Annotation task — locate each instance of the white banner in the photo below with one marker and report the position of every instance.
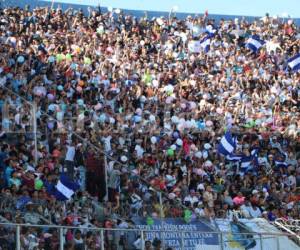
(194, 46)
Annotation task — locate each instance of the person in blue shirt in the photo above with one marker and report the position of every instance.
(8, 172)
(14, 180)
(272, 216)
(3, 155)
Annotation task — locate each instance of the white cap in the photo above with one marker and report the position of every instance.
(138, 111)
(155, 83)
(204, 154)
(143, 98)
(175, 119)
(208, 163)
(171, 196)
(123, 158)
(207, 146)
(200, 187)
(198, 154)
(152, 118)
(153, 140)
(112, 120)
(179, 142)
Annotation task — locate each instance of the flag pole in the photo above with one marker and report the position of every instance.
(161, 213)
(106, 178)
(35, 134)
(52, 4)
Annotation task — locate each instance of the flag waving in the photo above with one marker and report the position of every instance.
(64, 188)
(205, 44)
(211, 30)
(254, 43)
(227, 144)
(294, 62)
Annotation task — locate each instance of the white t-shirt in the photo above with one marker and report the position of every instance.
(291, 180)
(254, 213)
(200, 212)
(245, 211)
(107, 144)
(191, 199)
(70, 153)
(272, 46)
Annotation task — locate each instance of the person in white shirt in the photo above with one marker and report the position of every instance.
(70, 153)
(199, 211)
(69, 160)
(272, 45)
(292, 180)
(254, 211)
(245, 209)
(107, 143)
(191, 199)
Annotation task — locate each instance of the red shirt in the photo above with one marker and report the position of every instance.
(158, 183)
(29, 183)
(91, 162)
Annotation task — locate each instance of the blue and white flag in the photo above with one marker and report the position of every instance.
(246, 162)
(234, 157)
(227, 144)
(254, 43)
(210, 30)
(281, 164)
(205, 44)
(66, 187)
(63, 189)
(294, 62)
(254, 154)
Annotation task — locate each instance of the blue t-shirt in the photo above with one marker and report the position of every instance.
(8, 172)
(14, 181)
(3, 156)
(271, 216)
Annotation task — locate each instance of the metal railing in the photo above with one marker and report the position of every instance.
(290, 226)
(133, 239)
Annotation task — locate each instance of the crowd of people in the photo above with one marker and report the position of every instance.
(127, 100)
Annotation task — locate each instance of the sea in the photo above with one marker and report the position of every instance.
(137, 13)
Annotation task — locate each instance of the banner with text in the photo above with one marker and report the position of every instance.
(176, 233)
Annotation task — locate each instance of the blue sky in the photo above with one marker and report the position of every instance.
(234, 7)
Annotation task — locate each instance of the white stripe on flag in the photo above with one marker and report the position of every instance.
(67, 192)
(245, 164)
(295, 62)
(256, 43)
(205, 43)
(229, 148)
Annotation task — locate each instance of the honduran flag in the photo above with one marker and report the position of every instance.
(281, 164)
(234, 157)
(254, 43)
(227, 144)
(294, 62)
(246, 162)
(210, 30)
(205, 44)
(64, 188)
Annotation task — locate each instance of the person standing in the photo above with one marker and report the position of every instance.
(69, 160)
